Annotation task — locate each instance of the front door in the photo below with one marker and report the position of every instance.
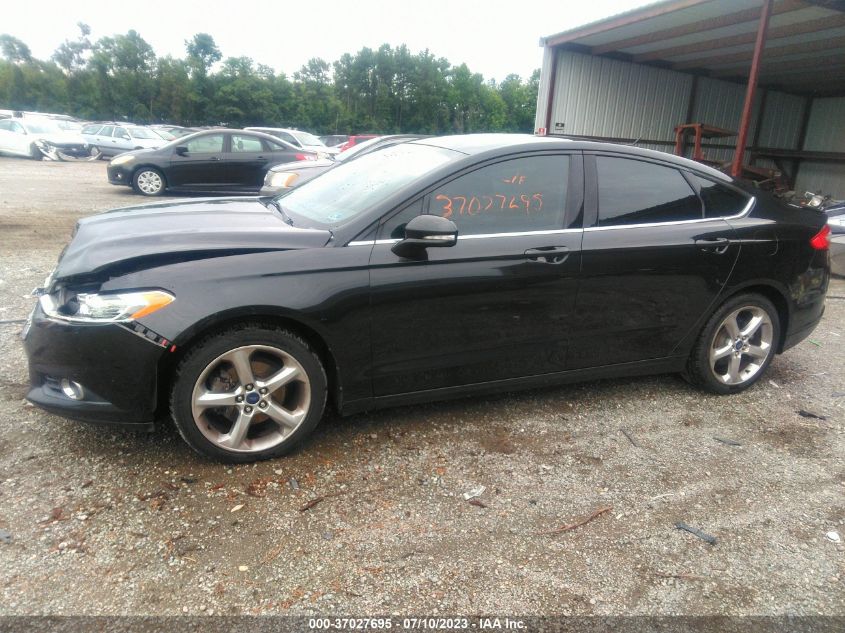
(497, 304)
(201, 166)
(653, 262)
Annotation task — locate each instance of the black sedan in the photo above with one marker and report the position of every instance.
(436, 268)
(213, 161)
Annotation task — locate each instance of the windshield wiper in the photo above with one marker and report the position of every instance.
(285, 217)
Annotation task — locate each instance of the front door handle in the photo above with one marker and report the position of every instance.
(718, 245)
(547, 254)
(214, 158)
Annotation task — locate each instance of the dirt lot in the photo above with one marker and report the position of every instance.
(105, 522)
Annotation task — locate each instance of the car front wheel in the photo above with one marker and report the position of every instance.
(736, 345)
(148, 182)
(248, 394)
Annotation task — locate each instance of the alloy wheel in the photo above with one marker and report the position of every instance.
(741, 345)
(251, 398)
(149, 182)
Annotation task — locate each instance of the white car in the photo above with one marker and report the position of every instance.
(111, 139)
(39, 138)
(298, 138)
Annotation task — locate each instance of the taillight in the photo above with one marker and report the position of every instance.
(821, 240)
(305, 157)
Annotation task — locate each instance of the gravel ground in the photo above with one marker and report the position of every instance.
(94, 521)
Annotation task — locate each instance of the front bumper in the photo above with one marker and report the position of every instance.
(119, 175)
(116, 367)
(74, 150)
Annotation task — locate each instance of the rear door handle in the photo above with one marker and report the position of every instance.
(214, 158)
(262, 159)
(718, 245)
(547, 254)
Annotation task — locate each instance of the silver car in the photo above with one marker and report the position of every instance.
(112, 139)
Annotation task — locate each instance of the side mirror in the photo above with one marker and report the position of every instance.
(181, 150)
(426, 231)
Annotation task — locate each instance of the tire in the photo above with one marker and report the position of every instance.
(736, 346)
(148, 181)
(35, 153)
(219, 403)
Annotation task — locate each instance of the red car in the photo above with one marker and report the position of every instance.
(354, 140)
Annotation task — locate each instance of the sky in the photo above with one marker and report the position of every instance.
(493, 37)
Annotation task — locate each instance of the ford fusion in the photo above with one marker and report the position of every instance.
(436, 268)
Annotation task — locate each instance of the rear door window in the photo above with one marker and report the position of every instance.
(242, 143)
(638, 192)
(107, 130)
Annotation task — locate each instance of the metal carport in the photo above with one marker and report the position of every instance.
(773, 71)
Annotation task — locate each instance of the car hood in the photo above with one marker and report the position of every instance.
(145, 236)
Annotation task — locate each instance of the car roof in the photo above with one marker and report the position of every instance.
(474, 144)
(251, 132)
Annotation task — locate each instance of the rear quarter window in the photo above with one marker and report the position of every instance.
(719, 200)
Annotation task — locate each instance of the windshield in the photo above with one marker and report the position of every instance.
(308, 139)
(357, 149)
(41, 127)
(343, 193)
(140, 132)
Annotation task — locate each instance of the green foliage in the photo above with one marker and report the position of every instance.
(388, 90)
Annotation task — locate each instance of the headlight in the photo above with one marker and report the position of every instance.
(281, 178)
(101, 308)
(122, 160)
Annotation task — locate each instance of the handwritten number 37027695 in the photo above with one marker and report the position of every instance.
(473, 205)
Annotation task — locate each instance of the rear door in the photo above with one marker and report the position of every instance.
(121, 140)
(497, 305)
(246, 161)
(201, 167)
(13, 138)
(653, 262)
(103, 140)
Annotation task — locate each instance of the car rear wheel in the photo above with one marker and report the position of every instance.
(248, 394)
(148, 182)
(736, 345)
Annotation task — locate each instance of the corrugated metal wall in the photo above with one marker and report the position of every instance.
(597, 96)
(825, 133)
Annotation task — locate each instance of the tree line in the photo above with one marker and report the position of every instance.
(388, 90)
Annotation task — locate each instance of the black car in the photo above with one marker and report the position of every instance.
(436, 268)
(212, 161)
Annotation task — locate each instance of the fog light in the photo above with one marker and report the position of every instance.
(72, 389)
